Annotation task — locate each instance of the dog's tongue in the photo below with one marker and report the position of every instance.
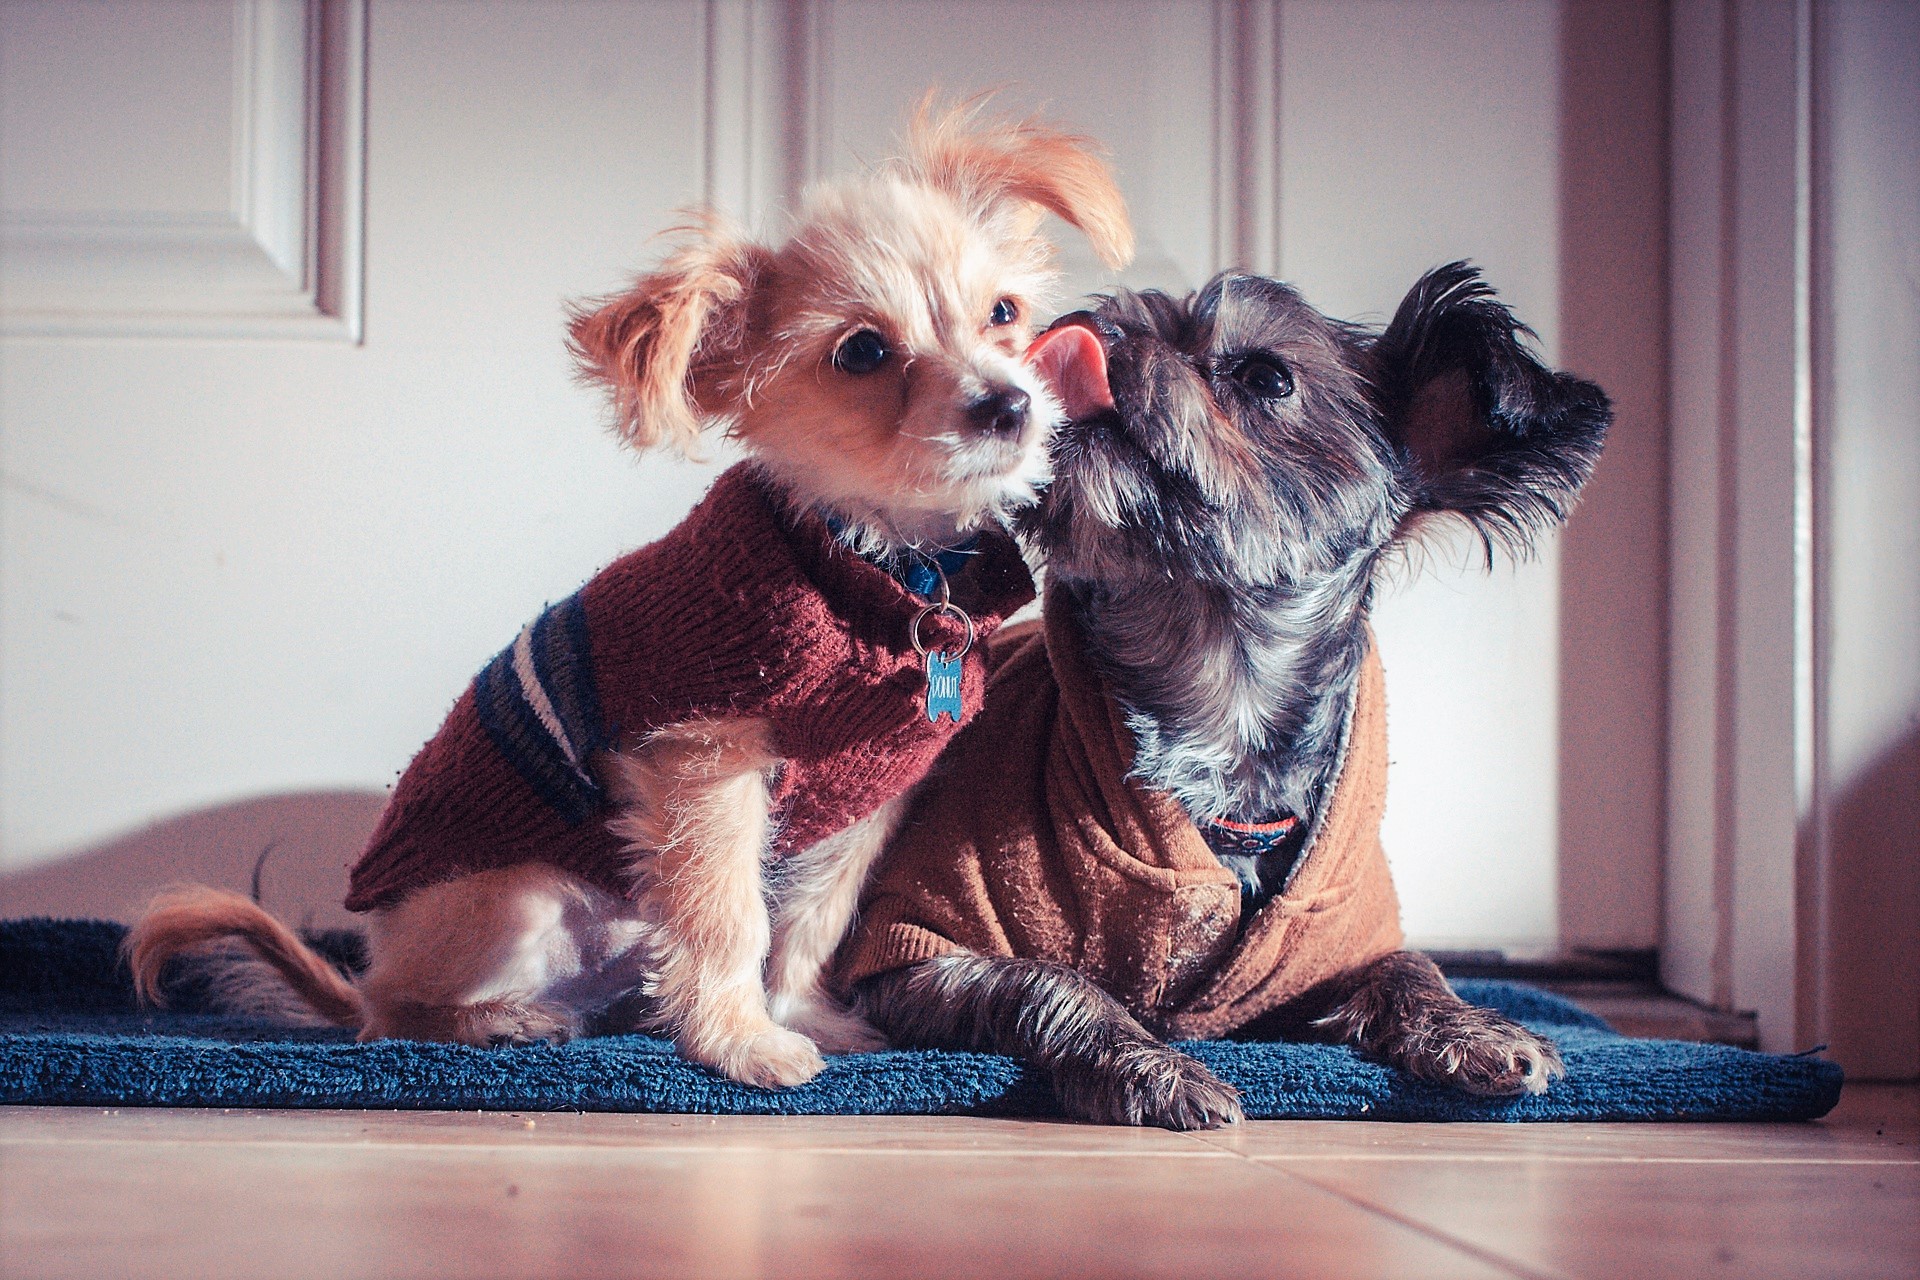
(1074, 364)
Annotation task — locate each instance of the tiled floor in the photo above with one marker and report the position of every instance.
(339, 1194)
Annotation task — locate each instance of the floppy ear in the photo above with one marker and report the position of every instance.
(1484, 431)
(657, 346)
(990, 164)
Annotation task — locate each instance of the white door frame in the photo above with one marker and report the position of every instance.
(1751, 868)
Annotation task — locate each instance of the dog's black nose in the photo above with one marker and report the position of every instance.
(1002, 411)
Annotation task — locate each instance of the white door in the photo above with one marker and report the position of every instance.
(291, 445)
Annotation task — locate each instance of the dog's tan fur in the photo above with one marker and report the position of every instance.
(693, 811)
(816, 905)
(192, 916)
(737, 335)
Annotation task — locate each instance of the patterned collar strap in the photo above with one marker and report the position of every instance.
(1225, 836)
(1261, 855)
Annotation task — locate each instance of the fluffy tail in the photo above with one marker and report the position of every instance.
(192, 916)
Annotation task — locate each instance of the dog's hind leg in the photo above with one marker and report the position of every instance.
(484, 1024)
(694, 815)
(1400, 1010)
(496, 957)
(1104, 1065)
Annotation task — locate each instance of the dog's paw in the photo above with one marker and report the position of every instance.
(1477, 1051)
(771, 1058)
(1500, 1060)
(1148, 1084)
(1401, 1011)
(492, 1024)
(532, 1024)
(832, 1028)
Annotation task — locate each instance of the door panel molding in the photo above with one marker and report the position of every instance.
(284, 258)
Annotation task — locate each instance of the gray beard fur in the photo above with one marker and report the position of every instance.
(1237, 697)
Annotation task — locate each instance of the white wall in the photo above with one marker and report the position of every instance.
(237, 569)
(1388, 168)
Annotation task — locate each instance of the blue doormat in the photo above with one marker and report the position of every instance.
(70, 1033)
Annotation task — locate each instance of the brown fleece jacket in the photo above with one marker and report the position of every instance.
(1029, 840)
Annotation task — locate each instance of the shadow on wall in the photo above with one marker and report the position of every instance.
(1873, 899)
(315, 836)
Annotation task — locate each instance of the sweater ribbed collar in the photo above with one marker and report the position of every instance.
(988, 580)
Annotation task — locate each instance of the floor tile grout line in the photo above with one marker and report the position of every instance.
(678, 1147)
(1511, 1266)
(1436, 1234)
(1542, 1157)
(683, 1146)
(1183, 1145)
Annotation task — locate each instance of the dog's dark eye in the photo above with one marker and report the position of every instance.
(1005, 311)
(1264, 377)
(862, 352)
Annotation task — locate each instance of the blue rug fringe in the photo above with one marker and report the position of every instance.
(71, 1033)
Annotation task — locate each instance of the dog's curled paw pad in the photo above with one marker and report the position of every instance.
(1151, 1085)
(775, 1058)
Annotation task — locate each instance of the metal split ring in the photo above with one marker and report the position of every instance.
(941, 606)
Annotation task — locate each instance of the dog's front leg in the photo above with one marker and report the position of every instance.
(693, 810)
(813, 905)
(1400, 1010)
(1104, 1065)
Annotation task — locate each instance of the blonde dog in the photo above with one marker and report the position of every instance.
(656, 808)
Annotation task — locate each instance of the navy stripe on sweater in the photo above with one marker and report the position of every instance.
(540, 709)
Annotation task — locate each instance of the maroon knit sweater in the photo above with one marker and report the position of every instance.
(744, 609)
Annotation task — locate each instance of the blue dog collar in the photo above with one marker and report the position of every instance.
(916, 570)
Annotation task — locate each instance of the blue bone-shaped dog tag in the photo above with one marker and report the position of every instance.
(943, 686)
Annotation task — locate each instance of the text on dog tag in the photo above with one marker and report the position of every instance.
(943, 686)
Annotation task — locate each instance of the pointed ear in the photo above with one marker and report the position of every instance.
(991, 164)
(1485, 432)
(657, 346)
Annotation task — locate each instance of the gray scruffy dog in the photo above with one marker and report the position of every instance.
(1218, 533)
